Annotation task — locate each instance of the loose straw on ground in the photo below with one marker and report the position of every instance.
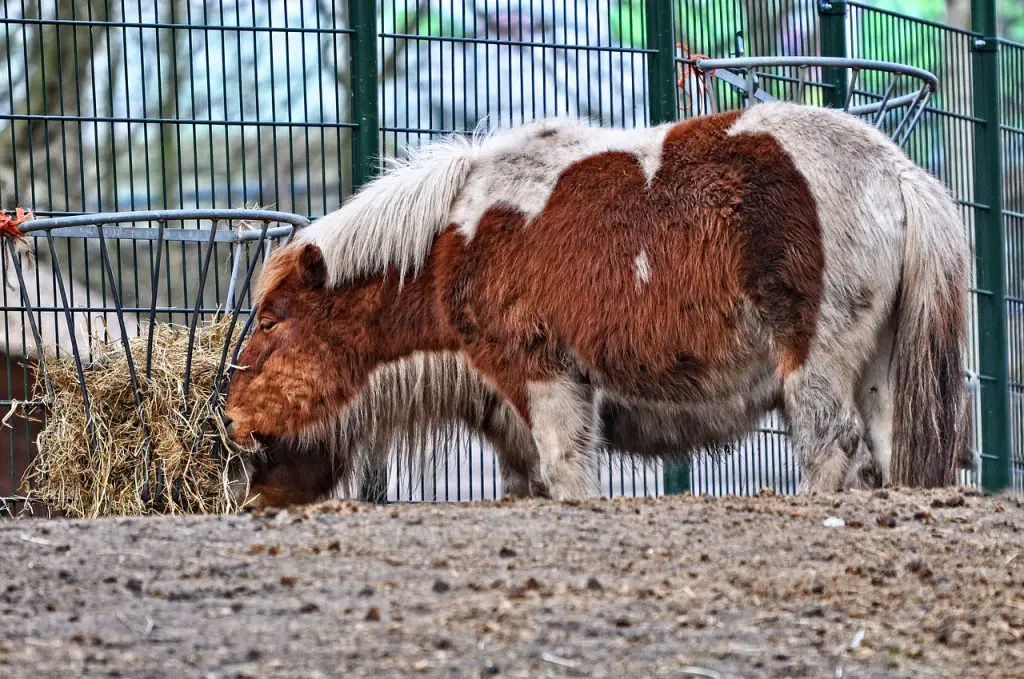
(188, 444)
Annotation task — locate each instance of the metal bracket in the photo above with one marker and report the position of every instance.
(984, 44)
(833, 7)
(741, 73)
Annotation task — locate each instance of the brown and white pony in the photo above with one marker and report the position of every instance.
(657, 289)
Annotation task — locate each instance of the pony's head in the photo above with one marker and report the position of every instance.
(308, 353)
(280, 476)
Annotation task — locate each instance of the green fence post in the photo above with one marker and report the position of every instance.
(991, 252)
(832, 15)
(661, 92)
(366, 157)
(661, 63)
(365, 114)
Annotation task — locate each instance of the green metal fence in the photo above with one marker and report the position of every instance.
(116, 105)
(1011, 63)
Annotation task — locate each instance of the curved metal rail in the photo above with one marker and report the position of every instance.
(253, 243)
(740, 72)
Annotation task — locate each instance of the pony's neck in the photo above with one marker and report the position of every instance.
(407, 319)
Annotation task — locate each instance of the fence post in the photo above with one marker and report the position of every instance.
(661, 105)
(990, 252)
(365, 158)
(661, 63)
(832, 15)
(363, 73)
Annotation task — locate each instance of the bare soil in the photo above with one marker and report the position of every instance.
(911, 585)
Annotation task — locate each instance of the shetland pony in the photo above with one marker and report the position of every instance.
(664, 287)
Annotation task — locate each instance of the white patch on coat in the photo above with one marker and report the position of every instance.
(860, 210)
(642, 270)
(888, 230)
(521, 166)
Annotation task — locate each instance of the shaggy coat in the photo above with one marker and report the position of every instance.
(662, 288)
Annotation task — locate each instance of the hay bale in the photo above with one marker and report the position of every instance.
(190, 451)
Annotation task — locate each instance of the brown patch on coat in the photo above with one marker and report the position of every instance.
(726, 223)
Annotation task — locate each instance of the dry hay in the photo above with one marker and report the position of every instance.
(188, 445)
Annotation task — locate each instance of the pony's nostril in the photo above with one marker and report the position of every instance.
(229, 425)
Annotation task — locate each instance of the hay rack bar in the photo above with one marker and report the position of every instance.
(907, 91)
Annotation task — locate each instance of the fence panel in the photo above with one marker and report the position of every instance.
(454, 66)
(110, 106)
(725, 28)
(188, 103)
(1012, 102)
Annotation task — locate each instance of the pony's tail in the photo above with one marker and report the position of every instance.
(930, 436)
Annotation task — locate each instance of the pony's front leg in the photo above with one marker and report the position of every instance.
(562, 414)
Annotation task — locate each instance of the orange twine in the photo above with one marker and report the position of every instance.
(9, 223)
(688, 65)
(9, 229)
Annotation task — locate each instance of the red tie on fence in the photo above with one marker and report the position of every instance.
(9, 223)
(9, 228)
(684, 73)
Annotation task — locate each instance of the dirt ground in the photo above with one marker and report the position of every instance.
(911, 585)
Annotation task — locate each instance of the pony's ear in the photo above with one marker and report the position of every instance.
(312, 266)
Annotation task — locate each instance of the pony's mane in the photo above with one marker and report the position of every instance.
(393, 220)
(278, 266)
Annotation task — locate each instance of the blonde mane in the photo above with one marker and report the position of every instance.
(393, 220)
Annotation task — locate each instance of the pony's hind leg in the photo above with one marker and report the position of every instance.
(826, 430)
(563, 418)
(874, 399)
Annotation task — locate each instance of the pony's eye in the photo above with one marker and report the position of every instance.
(267, 324)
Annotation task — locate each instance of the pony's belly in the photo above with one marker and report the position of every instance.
(679, 375)
(675, 428)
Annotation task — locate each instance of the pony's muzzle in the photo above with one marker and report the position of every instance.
(233, 430)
